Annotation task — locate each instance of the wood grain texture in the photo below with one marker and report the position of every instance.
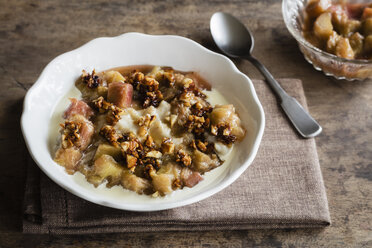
(34, 32)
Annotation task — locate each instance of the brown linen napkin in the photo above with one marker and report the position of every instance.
(283, 188)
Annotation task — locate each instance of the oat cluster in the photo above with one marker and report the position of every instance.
(147, 88)
(165, 146)
(70, 134)
(91, 80)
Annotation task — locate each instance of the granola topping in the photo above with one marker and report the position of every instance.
(147, 88)
(131, 162)
(113, 115)
(223, 133)
(168, 79)
(109, 133)
(198, 110)
(151, 131)
(190, 86)
(149, 142)
(91, 80)
(176, 184)
(146, 120)
(183, 158)
(70, 134)
(167, 146)
(197, 125)
(202, 146)
(101, 105)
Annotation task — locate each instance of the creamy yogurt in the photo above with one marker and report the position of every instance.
(213, 97)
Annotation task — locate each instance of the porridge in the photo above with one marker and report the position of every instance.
(150, 129)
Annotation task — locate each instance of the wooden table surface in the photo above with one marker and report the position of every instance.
(34, 32)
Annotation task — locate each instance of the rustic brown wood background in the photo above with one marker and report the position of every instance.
(33, 32)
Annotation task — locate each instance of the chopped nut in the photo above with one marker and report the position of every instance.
(135, 78)
(186, 98)
(146, 120)
(138, 76)
(142, 131)
(167, 146)
(226, 131)
(176, 184)
(129, 146)
(114, 111)
(151, 83)
(187, 82)
(189, 86)
(131, 162)
(145, 155)
(199, 119)
(91, 80)
(198, 110)
(207, 122)
(169, 79)
(154, 154)
(149, 170)
(193, 144)
(202, 146)
(154, 162)
(198, 105)
(149, 141)
(152, 98)
(173, 119)
(196, 124)
(114, 114)
(214, 130)
(110, 134)
(148, 89)
(99, 104)
(223, 133)
(131, 136)
(132, 146)
(124, 146)
(71, 134)
(183, 158)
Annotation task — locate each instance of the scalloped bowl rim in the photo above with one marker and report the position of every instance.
(140, 207)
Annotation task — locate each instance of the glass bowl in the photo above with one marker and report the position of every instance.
(331, 65)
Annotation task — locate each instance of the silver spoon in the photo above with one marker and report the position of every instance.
(235, 40)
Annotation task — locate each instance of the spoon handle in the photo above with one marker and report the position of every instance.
(301, 120)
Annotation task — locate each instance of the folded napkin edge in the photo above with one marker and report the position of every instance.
(32, 228)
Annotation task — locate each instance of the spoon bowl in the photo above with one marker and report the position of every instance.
(230, 35)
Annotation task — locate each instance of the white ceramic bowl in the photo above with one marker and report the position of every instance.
(135, 49)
